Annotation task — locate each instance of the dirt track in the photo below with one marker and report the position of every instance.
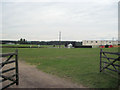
(30, 77)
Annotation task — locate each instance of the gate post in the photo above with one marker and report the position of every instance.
(17, 74)
(100, 59)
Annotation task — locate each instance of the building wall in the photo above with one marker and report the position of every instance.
(99, 42)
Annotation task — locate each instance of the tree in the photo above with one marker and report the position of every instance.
(21, 40)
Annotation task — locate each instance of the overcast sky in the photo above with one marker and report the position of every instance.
(76, 19)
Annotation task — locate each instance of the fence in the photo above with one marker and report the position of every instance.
(13, 78)
(110, 63)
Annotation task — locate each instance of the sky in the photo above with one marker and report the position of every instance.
(42, 20)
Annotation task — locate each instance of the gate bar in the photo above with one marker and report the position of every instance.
(16, 58)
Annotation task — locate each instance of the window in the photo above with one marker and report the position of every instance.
(96, 41)
(91, 41)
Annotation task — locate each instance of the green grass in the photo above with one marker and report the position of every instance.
(79, 65)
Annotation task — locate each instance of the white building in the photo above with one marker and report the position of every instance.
(11, 43)
(69, 45)
(99, 42)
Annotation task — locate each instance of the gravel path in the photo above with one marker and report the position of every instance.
(31, 77)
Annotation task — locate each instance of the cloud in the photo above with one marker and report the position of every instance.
(0, 21)
(94, 1)
(77, 21)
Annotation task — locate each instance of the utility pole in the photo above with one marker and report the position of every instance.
(113, 40)
(59, 39)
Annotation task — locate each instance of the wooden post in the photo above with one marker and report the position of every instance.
(100, 60)
(16, 63)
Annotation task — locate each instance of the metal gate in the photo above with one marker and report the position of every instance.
(108, 62)
(10, 58)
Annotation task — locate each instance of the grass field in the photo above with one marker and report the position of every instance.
(79, 65)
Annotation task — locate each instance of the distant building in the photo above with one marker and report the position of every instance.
(69, 45)
(99, 42)
(11, 43)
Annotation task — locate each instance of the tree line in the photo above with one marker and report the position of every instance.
(24, 41)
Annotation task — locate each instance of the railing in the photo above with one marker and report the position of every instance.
(8, 57)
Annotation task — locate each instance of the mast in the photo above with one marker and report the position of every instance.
(59, 39)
